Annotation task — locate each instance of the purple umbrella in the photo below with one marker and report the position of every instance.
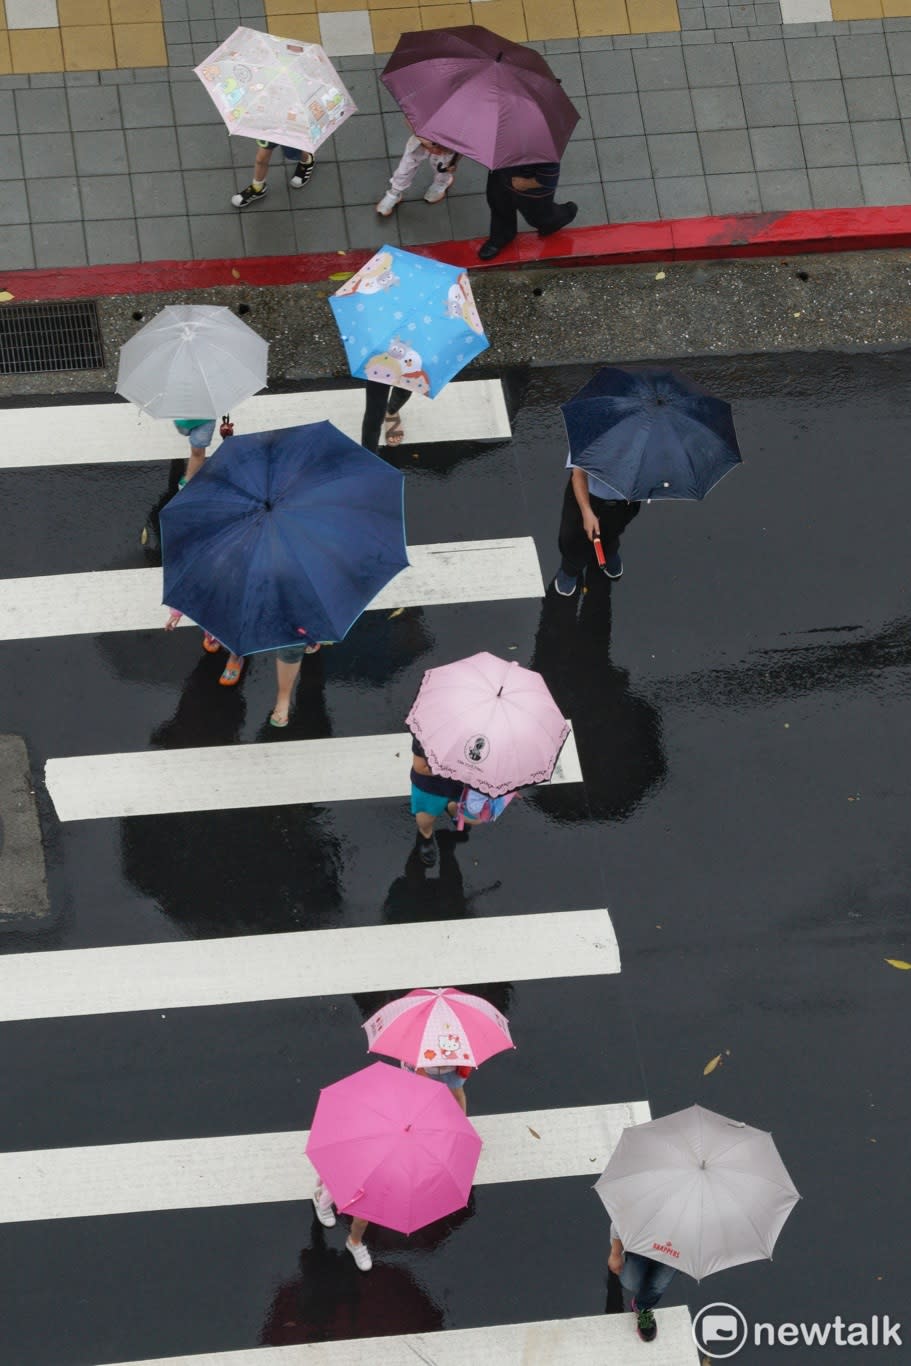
(471, 90)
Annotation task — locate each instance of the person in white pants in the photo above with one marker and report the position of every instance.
(322, 1204)
(443, 161)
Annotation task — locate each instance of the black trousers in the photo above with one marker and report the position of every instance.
(539, 209)
(380, 400)
(576, 550)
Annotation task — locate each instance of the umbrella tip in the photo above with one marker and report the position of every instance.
(500, 690)
(499, 56)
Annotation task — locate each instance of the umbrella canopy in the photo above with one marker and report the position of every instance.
(650, 434)
(439, 1027)
(192, 360)
(697, 1191)
(408, 321)
(478, 93)
(489, 723)
(276, 88)
(393, 1148)
(283, 538)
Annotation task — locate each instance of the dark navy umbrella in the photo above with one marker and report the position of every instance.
(283, 538)
(650, 434)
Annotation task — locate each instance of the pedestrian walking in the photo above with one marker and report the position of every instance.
(383, 403)
(528, 190)
(287, 669)
(258, 188)
(644, 1280)
(591, 521)
(449, 1075)
(199, 432)
(443, 161)
(431, 796)
(322, 1204)
(230, 674)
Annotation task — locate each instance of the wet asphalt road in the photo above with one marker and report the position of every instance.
(741, 709)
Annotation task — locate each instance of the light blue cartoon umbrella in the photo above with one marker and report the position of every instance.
(409, 321)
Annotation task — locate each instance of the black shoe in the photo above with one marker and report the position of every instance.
(569, 212)
(490, 249)
(646, 1326)
(613, 566)
(427, 851)
(302, 173)
(243, 198)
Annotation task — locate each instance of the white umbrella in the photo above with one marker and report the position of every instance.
(697, 1191)
(192, 360)
(276, 88)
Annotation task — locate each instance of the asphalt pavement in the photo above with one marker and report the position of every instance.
(739, 702)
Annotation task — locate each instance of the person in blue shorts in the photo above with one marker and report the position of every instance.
(258, 189)
(199, 432)
(431, 796)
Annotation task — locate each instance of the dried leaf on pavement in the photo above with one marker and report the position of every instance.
(397, 613)
(899, 963)
(712, 1064)
(534, 1133)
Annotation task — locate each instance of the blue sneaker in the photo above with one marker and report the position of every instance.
(565, 584)
(613, 566)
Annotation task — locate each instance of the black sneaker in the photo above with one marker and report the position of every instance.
(302, 173)
(569, 212)
(646, 1326)
(613, 566)
(427, 851)
(244, 198)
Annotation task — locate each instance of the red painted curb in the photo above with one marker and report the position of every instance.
(675, 239)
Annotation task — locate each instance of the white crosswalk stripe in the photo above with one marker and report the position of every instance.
(130, 599)
(108, 433)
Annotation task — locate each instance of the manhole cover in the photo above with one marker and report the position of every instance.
(38, 339)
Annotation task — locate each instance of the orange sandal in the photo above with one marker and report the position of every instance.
(230, 676)
(210, 644)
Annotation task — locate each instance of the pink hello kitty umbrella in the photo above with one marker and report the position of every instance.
(438, 1027)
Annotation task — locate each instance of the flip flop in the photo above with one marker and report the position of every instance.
(210, 644)
(394, 433)
(230, 676)
(274, 720)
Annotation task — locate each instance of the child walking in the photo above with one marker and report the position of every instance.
(443, 160)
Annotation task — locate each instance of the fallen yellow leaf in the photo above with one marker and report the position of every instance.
(5, 296)
(235, 273)
(712, 1064)
(534, 1133)
(341, 275)
(397, 613)
(661, 275)
(899, 963)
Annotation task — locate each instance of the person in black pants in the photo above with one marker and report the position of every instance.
(528, 190)
(383, 402)
(587, 514)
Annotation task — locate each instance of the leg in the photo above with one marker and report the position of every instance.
(633, 1275)
(261, 166)
(656, 1280)
(425, 824)
(286, 677)
(503, 222)
(407, 168)
(575, 548)
(444, 169)
(230, 674)
(459, 1095)
(358, 1229)
(376, 398)
(195, 463)
(355, 1245)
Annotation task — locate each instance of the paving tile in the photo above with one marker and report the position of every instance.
(623, 159)
(808, 11)
(325, 229)
(710, 67)
(362, 182)
(761, 62)
(828, 144)
(10, 159)
(772, 105)
(667, 111)
(47, 154)
(143, 74)
(177, 31)
(198, 146)
(820, 101)
(397, 131)
(567, 67)
(863, 55)
(112, 241)
(835, 187)
(693, 19)
(268, 234)
(59, 244)
(777, 149)
(615, 115)
(100, 153)
(879, 142)
(675, 154)
(94, 109)
(652, 16)
(726, 151)
(768, 13)
(590, 201)
(811, 59)
(209, 192)
(164, 239)
(181, 54)
(660, 68)
(579, 165)
(361, 137)
(16, 250)
(886, 184)
(899, 48)
(631, 201)
(156, 196)
(106, 196)
(149, 106)
(14, 203)
(608, 73)
(871, 97)
(362, 86)
(203, 31)
(738, 193)
(682, 196)
(471, 177)
(46, 80)
(717, 16)
(903, 94)
(54, 199)
(14, 82)
(323, 191)
(216, 235)
(784, 189)
(42, 111)
(705, 37)
(364, 229)
(8, 121)
(719, 108)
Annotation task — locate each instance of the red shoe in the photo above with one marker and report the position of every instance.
(210, 644)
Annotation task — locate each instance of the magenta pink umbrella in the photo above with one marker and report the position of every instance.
(393, 1148)
(488, 723)
(439, 1027)
(481, 94)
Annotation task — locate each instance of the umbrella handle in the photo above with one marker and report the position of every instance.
(227, 426)
(599, 551)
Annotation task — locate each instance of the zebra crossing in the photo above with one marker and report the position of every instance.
(69, 993)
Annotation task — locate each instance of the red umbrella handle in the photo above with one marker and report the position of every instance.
(599, 552)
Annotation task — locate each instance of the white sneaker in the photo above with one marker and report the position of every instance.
(437, 189)
(388, 204)
(361, 1256)
(324, 1213)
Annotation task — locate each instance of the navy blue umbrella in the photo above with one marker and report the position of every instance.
(650, 434)
(283, 538)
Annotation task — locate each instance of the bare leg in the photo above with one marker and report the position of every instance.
(459, 1093)
(358, 1229)
(425, 824)
(261, 165)
(286, 676)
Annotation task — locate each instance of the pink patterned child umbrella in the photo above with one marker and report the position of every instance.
(392, 1148)
(439, 1027)
(489, 723)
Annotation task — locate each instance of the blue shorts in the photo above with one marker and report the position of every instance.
(201, 436)
(450, 1079)
(428, 803)
(293, 654)
(292, 153)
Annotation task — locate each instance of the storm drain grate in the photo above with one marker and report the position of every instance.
(38, 339)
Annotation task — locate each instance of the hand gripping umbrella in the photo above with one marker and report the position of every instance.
(478, 93)
(697, 1191)
(438, 1027)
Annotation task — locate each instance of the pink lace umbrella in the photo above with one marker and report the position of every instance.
(439, 1027)
(393, 1148)
(489, 723)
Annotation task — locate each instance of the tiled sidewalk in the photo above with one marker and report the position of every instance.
(734, 113)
